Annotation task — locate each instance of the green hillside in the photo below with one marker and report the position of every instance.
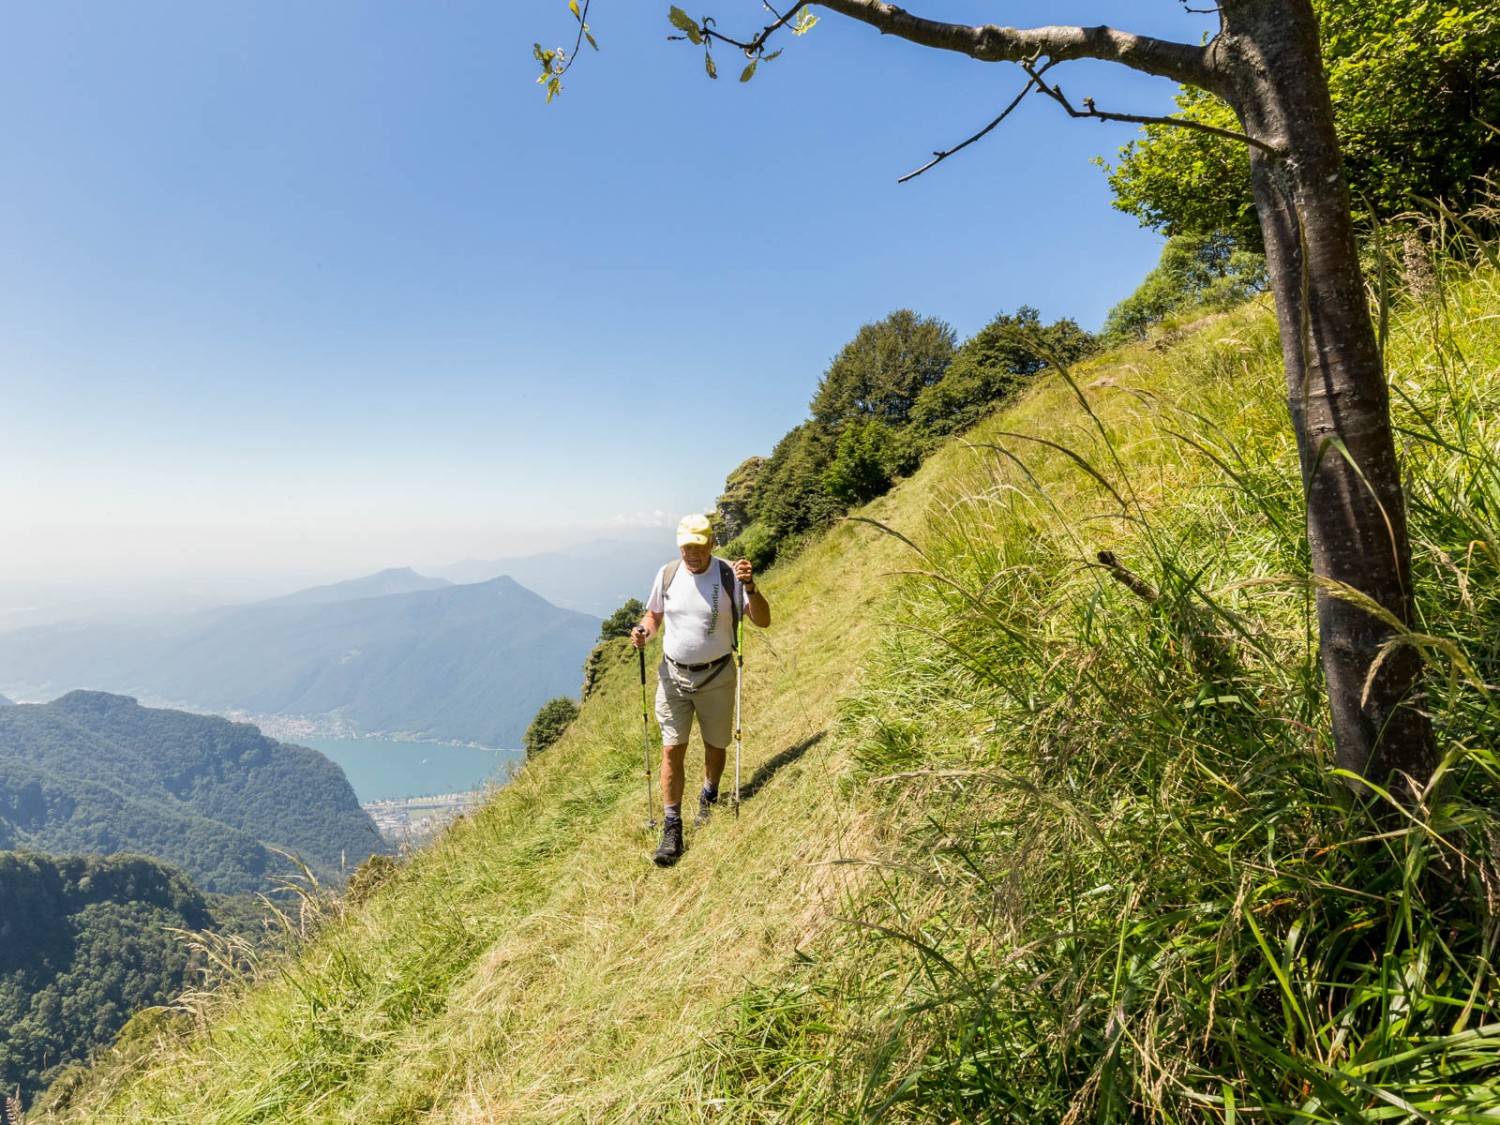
(93, 773)
(1029, 833)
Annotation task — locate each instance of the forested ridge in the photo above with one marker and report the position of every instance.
(97, 773)
(84, 943)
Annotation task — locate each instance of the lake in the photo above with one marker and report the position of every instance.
(384, 770)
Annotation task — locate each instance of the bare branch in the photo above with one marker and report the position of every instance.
(757, 44)
(939, 157)
(1181, 62)
(1088, 110)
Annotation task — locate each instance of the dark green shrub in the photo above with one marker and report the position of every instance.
(549, 724)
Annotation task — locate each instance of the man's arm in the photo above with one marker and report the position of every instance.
(758, 610)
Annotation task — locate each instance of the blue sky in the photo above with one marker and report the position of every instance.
(293, 292)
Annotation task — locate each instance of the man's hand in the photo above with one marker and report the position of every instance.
(746, 574)
(639, 636)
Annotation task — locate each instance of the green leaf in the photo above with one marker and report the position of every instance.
(749, 72)
(708, 65)
(573, 7)
(685, 24)
(590, 38)
(772, 55)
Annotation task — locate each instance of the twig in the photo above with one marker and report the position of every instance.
(1128, 578)
(1056, 94)
(939, 157)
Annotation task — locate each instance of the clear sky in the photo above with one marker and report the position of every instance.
(294, 292)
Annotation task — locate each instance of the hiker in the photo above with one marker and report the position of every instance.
(699, 599)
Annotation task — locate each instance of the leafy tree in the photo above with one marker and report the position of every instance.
(1265, 64)
(789, 496)
(549, 724)
(621, 621)
(864, 462)
(993, 364)
(881, 371)
(756, 543)
(1414, 87)
(1195, 270)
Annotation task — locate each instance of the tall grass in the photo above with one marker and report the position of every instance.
(1130, 884)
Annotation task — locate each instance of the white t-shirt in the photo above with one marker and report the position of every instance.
(697, 623)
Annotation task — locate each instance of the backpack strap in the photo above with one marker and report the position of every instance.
(726, 582)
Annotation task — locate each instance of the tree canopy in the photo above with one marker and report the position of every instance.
(880, 372)
(84, 943)
(550, 722)
(1206, 271)
(621, 621)
(1416, 94)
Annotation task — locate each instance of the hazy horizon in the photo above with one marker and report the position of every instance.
(297, 294)
(26, 602)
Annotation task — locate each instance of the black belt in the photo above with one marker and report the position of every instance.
(699, 667)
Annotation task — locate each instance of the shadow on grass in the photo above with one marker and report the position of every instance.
(769, 768)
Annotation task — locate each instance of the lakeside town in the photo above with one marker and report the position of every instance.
(413, 820)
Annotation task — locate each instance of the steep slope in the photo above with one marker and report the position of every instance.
(1030, 833)
(545, 966)
(95, 773)
(464, 663)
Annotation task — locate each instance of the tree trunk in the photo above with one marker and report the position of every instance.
(1268, 59)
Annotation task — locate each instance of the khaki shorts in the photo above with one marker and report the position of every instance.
(678, 699)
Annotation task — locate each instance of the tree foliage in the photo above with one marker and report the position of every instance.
(880, 372)
(1195, 271)
(864, 462)
(549, 724)
(1415, 90)
(621, 621)
(993, 365)
(84, 943)
(789, 496)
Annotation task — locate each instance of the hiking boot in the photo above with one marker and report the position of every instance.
(669, 851)
(705, 806)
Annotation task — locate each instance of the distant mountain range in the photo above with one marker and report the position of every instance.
(597, 577)
(5, 702)
(469, 663)
(403, 580)
(93, 773)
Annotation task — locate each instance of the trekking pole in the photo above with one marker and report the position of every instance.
(739, 683)
(646, 740)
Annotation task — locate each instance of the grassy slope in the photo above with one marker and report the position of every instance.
(533, 966)
(533, 963)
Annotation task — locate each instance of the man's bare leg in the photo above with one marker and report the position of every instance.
(671, 798)
(672, 775)
(713, 765)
